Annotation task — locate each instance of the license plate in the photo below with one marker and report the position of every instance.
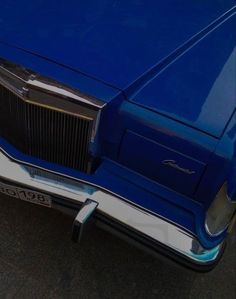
(26, 194)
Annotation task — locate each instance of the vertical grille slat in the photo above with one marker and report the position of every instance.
(45, 133)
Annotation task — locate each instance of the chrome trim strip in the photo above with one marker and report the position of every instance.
(215, 234)
(22, 80)
(39, 90)
(225, 229)
(80, 181)
(230, 220)
(112, 206)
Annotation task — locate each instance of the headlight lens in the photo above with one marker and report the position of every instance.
(220, 213)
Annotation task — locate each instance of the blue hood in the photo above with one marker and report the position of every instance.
(115, 42)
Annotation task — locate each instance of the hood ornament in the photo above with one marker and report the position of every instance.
(173, 164)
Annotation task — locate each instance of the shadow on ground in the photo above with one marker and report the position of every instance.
(38, 260)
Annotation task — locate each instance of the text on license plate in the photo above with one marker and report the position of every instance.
(26, 194)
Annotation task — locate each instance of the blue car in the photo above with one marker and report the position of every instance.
(123, 114)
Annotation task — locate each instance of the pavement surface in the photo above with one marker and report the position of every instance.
(38, 260)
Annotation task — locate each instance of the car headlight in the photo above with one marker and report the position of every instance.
(220, 213)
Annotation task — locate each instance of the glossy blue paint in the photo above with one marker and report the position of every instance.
(112, 176)
(119, 180)
(199, 87)
(57, 72)
(113, 41)
(122, 115)
(159, 130)
(160, 163)
(220, 167)
(183, 107)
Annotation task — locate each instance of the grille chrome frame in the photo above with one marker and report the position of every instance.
(49, 98)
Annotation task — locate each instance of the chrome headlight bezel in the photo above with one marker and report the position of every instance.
(220, 213)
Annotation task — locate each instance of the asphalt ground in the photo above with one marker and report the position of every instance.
(38, 260)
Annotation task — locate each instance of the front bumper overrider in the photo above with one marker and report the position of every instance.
(113, 211)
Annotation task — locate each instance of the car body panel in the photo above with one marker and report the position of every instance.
(160, 139)
(98, 50)
(115, 42)
(159, 163)
(221, 163)
(71, 78)
(102, 41)
(199, 88)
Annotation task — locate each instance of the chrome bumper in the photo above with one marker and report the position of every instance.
(157, 231)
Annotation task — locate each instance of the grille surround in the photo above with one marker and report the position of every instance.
(46, 119)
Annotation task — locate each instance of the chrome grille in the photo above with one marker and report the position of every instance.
(45, 133)
(47, 119)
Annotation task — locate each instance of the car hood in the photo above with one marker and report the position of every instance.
(199, 88)
(115, 42)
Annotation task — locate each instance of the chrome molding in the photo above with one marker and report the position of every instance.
(124, 212)
(39, 90)
(227, 227)
(223, 210)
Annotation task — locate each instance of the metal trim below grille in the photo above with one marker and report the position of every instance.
(158, 231)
